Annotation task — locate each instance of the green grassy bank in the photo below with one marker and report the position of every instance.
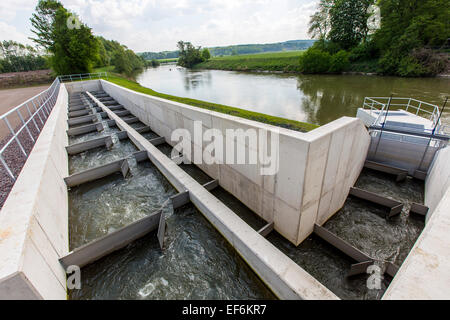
(276, 121)
(167, 60)
(287, 61)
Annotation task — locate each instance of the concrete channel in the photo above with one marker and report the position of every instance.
(107, 140)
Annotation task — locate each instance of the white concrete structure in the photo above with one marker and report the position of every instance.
(316, 171)
(34, 221)
(438, 180)
(282, 275)
(425, 274)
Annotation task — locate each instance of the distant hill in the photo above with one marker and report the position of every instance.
(238, 49)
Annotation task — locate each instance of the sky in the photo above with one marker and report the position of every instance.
(151, 25)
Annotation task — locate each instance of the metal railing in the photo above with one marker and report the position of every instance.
(83, 76)
(21, 126)
(419, 108)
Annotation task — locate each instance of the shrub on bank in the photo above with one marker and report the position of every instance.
(318, 61)
(315, 61)
(339, 62)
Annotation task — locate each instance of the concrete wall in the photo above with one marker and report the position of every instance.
(81, 86)
(316, 168)
(438, 180)
(34, 218)
(425, 272)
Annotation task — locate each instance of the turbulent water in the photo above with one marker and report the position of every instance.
(364, 226)
(197, 262)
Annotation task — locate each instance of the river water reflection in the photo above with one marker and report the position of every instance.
(317, 99)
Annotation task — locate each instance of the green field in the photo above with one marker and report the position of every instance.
(276, 121)
(167, 60)
(287, 61)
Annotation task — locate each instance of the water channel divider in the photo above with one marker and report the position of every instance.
(182, 198)
(143, 129)
(131, 120)
(266, 230)
(79, 113)
(113, 241)
(363, 260)
(98, 173)
(419, 209)
(77, 108)
(161, 229)
(400, 174)
(76, 148)
(281, 274)
(83, 119)
(122, 113)
(340, 244)
(420, 175)
(85, 129)
(395, 207)
(116, 107)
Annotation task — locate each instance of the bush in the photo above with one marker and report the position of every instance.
(205, 54)
(363, 52)
(419, 63)
(339, 62)
(315, 61)
(154, 63)
(327, 46)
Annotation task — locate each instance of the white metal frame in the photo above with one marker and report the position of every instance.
(421, 107)
(37, 108)
(83, 76)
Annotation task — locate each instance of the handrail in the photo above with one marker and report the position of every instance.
(379, 104)
(82, 76)
(42, 104)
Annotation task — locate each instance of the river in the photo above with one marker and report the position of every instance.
(317, 99)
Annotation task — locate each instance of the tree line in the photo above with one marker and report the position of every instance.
(67, 46)
(392, 37)
(238, 49)
(17, 57)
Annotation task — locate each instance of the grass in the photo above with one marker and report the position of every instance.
(167, 60)
(256, 116)
(105, 69)
(287, 61)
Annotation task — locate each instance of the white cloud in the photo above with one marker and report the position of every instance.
(152, 25)
(9, 32)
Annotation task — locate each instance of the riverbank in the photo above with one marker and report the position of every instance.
(286, 62)
(251, 115)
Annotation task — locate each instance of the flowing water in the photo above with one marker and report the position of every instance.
(317, 99)
(197, 262)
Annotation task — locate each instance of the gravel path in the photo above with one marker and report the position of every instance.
(15, 158)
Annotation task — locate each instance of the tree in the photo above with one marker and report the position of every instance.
(205, 54)
(189, 55)
(319, 24)
(348, 19)
(408, 27)
(16, 57)
(74, 50)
